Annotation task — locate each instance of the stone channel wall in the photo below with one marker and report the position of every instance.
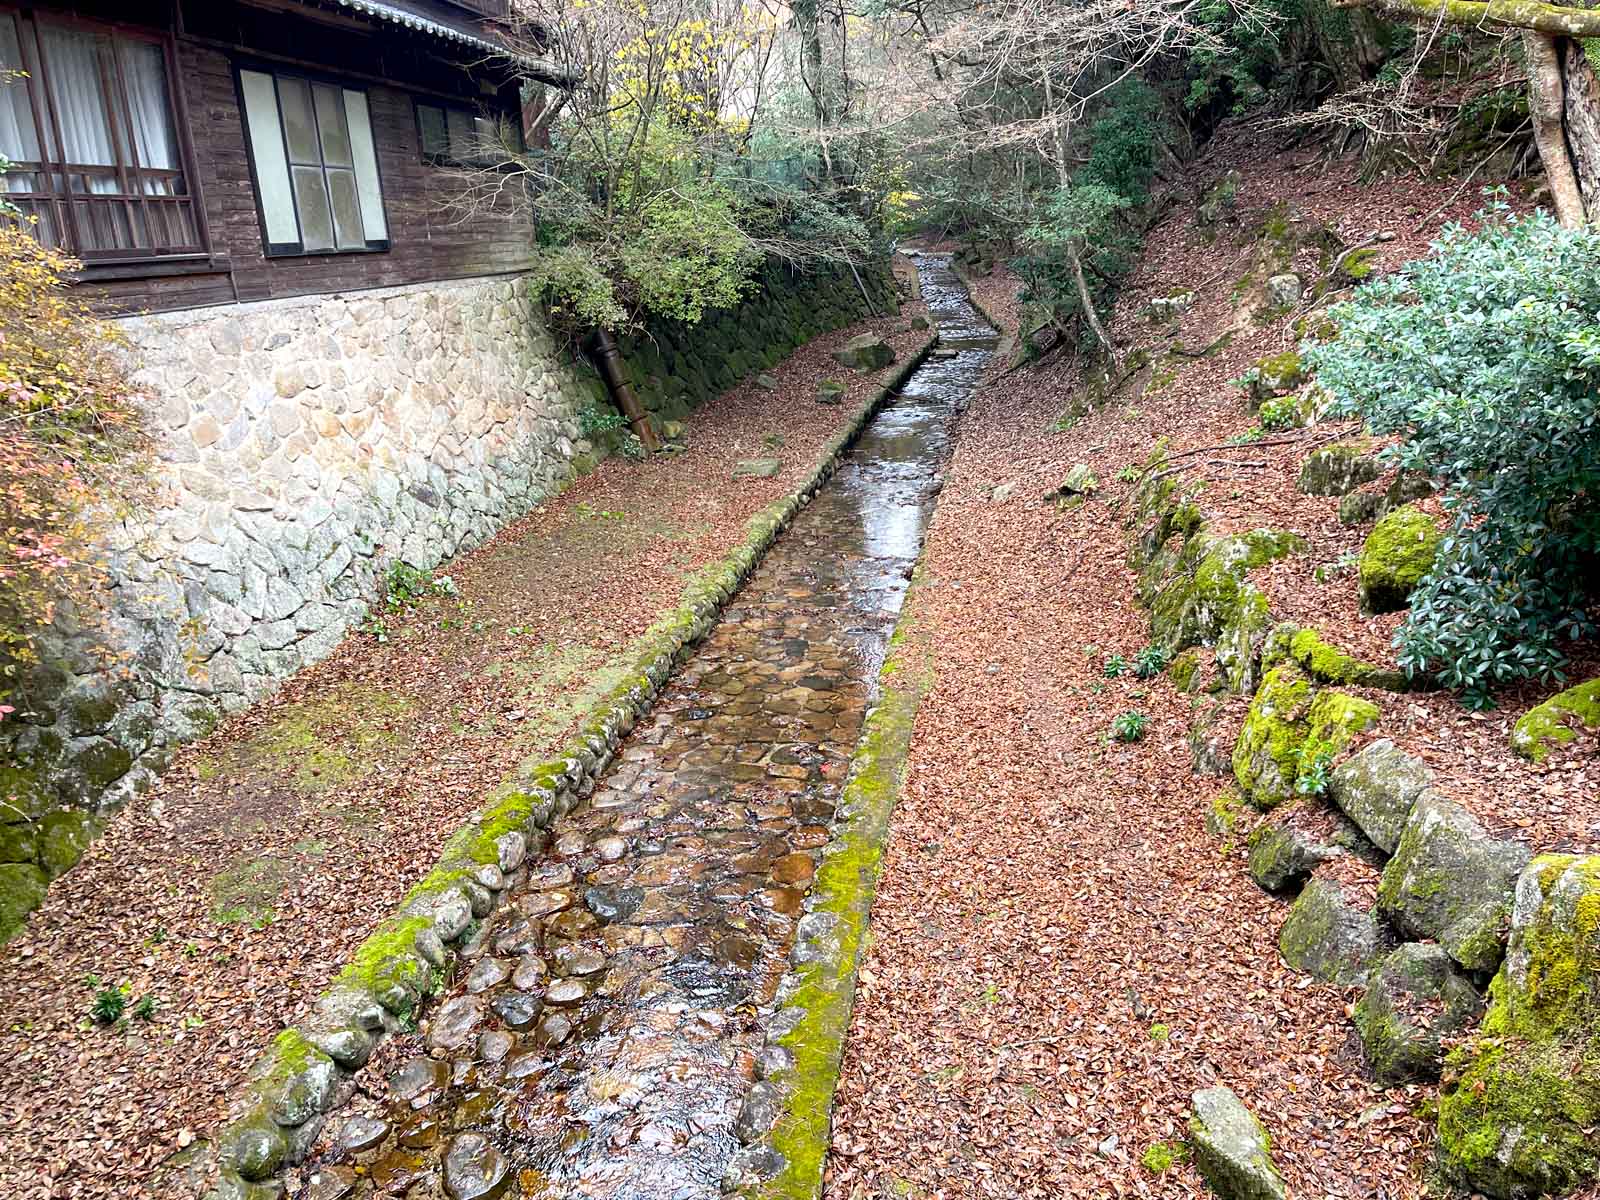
(304, 448)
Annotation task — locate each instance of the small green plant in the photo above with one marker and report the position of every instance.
(145, 1008)
(1116, 665)
(1130, 726)
(595, 420)
(1150, 661)
(376, 628)
(1250, 436)
(1160, 1033)
(109, 1004)
(1316, 768)
(1128, 473)
(1279, 414)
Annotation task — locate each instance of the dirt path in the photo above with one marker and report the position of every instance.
(1061, 953)
(231, 892)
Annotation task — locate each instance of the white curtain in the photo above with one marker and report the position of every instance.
(19, 138)
(144, 72)
(72, 72)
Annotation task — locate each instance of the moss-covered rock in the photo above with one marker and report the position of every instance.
(1224, 814)
(1240, 643)
(1375, 788)
(1518, 1113)
(1267, 756)
(63, 837)
(1556, 722)
(19, 843)
(22, 887)
(1288, 717)
(1341, 468)
(865, 352)
(1328, 938)
(1326, 663)
(1283, 853)
(1397, 556)
(1450, 882)
(1274, 375)
(1185, 670)
(1358, 508)
(1200, 597)
(1232, 1149)
(1415, 1000)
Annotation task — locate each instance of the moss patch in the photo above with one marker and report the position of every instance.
(1555, 723)
(845, 887)
(1327, 663)
(320, 744)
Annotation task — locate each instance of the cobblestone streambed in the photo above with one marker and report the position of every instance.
(602, 1033)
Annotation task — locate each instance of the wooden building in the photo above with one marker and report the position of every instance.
(205, 152)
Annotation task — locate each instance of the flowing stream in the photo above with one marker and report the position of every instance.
(600, 1037)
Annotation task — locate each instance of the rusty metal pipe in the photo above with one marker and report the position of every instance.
(609, 360)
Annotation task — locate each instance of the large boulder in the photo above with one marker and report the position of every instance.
(1450, 882)
(1414, 1001)
(1232, 1149)
(1288, 719)
(1556, 722)
(1397, 556)
(1376, 787)
(865, 352)
(1521, 1104)
(1341, 468)
(1329, 938)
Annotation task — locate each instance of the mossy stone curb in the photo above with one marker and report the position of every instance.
(805, 1043)
(403, 962)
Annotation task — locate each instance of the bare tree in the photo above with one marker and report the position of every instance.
(1563, 91)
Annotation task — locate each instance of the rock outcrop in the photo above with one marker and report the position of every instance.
(1375, 788)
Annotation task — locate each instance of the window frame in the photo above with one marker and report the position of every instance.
(282, 250)
(60, 197)
(481, 112)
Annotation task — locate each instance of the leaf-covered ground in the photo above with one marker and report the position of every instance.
(234, 890)
(1061, 954)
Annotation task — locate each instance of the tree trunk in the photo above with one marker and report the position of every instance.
(1547, 107)
(1583, 123)
(1089, 313)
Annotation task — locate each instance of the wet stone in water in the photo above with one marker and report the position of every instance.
(614, 904)
(494, 1045)
(454, 1023)
(488, 973)
(474, 1169)
(417, 1076)
(519, 1010)
(530, 974)
(363, 1133)
(578, 960)
(566, 991)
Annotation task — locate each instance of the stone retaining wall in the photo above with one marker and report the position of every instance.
(305, 448)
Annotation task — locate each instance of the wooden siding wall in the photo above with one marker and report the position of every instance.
(427, 242)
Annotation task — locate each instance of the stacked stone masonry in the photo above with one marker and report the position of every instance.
(303, 448)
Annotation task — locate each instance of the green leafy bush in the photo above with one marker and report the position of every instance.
(1150, 661)
(1115, 665)
(1280, 413)
(1485, 358)
(1130, 726)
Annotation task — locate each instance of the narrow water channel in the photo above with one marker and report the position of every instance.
(602, 1039)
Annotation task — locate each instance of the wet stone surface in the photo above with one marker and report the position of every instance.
(602, 1041)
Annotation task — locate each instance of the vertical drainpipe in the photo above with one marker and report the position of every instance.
(609, 360)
